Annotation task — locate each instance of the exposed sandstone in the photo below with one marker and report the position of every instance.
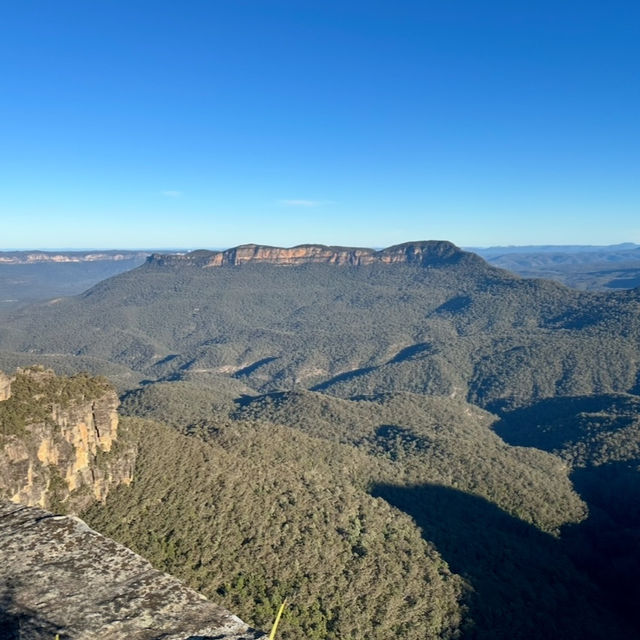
(417, 253)
(58, 576)
(5, 387)
(56, 450)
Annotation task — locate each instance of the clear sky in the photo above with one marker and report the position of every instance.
(210, 123)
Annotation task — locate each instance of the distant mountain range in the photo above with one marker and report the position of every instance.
(581, 267)
(553, 248)
(28, 276)
(39, 257)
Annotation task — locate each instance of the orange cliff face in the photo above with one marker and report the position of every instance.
(418, 253)
(5, 387)
(57, 454)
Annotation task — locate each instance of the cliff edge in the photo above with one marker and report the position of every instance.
(59, 444)
(58, 576)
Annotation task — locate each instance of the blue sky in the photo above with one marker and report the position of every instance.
(210, 123)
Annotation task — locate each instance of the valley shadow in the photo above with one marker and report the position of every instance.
(395, 441)
(607, 544)
(248, 370)
(523, 584)
(455, 305)
(624, 283)
(244, 399)
(342, 377)
(551, 423)
(409, 353)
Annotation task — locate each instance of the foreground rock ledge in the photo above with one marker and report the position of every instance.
(59, 576)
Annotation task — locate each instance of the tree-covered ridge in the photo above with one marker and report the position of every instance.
(307, 386)
(261, 510)
(420, 439)
(434, 440)
(587, 431)
(458, 327)
(436, 458)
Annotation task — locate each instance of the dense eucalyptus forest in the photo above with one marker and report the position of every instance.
(432, 448)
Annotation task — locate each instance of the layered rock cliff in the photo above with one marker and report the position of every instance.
(57, 440)
(58, 576)
(418, 253)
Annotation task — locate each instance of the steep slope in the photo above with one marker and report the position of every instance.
(444, 322)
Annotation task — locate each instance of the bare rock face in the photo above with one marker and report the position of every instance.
(57, 440)
(416, 253)
(5, 387)
(58, 576)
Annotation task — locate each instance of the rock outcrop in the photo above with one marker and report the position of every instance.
(57, 440)
(58, 576)
(417, 253)
(5, 386)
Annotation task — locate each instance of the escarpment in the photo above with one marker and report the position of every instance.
(59, 443)
(419, 253)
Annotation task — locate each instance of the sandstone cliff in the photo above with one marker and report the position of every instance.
(57, 576)
(417, 253)
(5, 387)
(57, 440)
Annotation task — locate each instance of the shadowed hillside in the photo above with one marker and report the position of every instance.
(433, 439)
(458, 480)
(550, 598)
(599, 437)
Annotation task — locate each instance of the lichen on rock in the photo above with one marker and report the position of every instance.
(58, 576)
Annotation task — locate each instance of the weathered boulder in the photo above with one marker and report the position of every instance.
(58, 576)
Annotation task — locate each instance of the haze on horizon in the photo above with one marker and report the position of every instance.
(215, 124)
